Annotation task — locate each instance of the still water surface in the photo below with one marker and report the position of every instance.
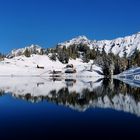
(40, 108)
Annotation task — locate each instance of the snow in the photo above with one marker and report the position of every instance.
(19, 65)
(20, 76)
(27, 66)
(78, 40)
(118, 46)
(41, 86)
(35, 49)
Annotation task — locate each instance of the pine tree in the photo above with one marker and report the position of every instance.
(136, 58)
(53, 57)
(1, 57)
(41, 51)
(92, 54)
(27, 53)
(103, 50)
(63, 56)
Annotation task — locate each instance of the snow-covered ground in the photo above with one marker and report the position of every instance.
(27, 66)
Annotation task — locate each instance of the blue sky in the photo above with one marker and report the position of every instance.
(47, 22)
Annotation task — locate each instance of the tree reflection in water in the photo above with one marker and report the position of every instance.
(80, 96)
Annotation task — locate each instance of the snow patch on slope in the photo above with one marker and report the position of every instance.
(119, 46)
(27, 66)
(33, 49)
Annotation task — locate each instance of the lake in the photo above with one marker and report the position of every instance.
(58, 108)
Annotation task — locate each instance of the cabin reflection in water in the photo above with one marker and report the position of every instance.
(77, 94)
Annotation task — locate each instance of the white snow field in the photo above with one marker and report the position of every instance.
(27, 66)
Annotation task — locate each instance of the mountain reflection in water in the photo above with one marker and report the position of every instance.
(78, 94)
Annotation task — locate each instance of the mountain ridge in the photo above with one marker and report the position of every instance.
(119, 46)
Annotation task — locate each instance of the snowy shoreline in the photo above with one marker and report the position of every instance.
(22, 66)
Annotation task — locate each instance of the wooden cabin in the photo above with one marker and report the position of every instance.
(40, 67)
(69, 66)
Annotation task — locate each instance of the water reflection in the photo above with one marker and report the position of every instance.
(78, 94)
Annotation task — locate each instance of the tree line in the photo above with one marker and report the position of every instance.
(109, 63)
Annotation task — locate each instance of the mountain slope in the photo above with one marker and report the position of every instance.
(80, 49)
(33, 49)
(27, 66)
(119, 46)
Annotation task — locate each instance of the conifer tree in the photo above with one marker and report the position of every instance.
(27, 53)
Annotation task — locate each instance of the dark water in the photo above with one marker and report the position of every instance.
(103, 109)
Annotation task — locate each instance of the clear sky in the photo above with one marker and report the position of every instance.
(47, 22)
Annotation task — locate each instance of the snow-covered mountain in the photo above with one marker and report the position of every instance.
(124, 45)
(78, 40)
(33, 49)
(119, 46)
(17, 64)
